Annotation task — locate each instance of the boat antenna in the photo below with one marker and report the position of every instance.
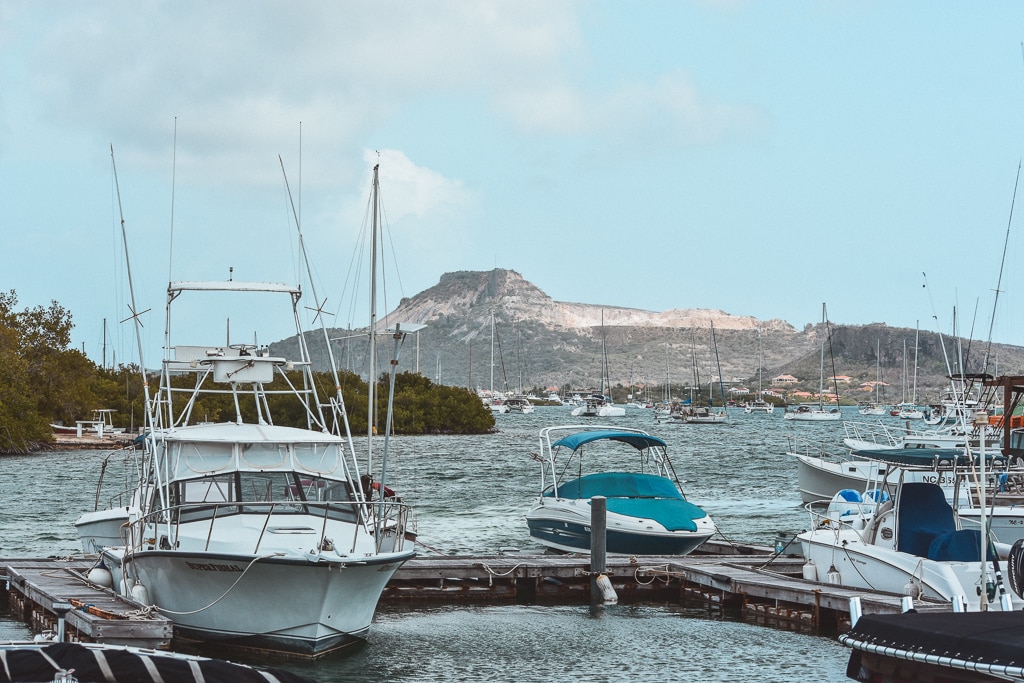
(337, 401)
(1002, 263)
(135, 313)
(174, 169)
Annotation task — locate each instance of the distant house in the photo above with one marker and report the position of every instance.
(843, 378)
(785, 379)
(739, 391)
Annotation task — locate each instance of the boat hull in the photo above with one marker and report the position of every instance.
(101, 529)
(294, 605)
(853, 563)
(813, 415)
(558, 525)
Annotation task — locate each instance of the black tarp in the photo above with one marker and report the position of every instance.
(128, 665)
(995, 638)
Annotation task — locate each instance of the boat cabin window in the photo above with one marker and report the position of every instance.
(208, 490)
(287, 491)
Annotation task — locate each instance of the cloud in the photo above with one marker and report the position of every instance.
(240, 76)
(413, 190)
(667, 109)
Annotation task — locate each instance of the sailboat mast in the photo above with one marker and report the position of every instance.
(371, 379)
(821, 376)
(917, 333)
(604, 357)
(721, 382)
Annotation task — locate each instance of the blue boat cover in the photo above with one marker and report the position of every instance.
(618, 485)
(963, 545)
(923, 515)
(646, 496)
(638, 441)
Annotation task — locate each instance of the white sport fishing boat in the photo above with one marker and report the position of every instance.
(256, 528)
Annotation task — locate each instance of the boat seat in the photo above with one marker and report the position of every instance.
(963, 545)
(922, 515)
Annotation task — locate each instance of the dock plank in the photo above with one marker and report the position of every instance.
(97, 614)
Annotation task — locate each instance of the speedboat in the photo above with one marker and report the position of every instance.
(911, 544)
(647, 513)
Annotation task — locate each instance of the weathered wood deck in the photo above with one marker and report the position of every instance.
(38, 590)
(745, 579)
(762, 585)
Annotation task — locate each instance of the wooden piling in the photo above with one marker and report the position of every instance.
(598, 545)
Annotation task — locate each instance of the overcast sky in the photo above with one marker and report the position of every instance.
(755, 157)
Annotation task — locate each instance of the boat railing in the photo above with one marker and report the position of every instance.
(799, 445)
(389, 516)
(875, 432)
(839, 514)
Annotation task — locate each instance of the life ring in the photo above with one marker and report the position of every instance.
(388, 491)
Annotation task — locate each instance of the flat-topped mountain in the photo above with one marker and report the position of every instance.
(538, 342)
(475, 294)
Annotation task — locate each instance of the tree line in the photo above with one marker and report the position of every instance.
(44, 381)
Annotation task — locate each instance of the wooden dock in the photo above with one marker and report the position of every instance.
(747, 582)
(767, 588)
(39, 591)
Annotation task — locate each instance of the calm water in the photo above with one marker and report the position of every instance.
(470, 495)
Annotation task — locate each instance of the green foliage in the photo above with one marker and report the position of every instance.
(40, 378)
(43, 381)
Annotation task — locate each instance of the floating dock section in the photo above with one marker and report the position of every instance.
(55, 595)
(748, 582)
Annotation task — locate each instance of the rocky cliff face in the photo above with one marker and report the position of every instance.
(474, 294)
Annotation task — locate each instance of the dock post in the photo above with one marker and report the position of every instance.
(856, 611)
(61, 609)
(598, 544)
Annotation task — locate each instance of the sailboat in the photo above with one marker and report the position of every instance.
(600, 405)
(495, 400)
(252, 531)
(759, 405)
(810, 412)
(707, 414)
(908, 410)
(876, 407)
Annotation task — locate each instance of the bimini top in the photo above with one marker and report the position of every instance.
(634, 439)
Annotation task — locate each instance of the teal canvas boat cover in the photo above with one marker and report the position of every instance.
(644, 496)
(638, 441)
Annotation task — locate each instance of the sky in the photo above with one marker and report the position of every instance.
(760, 158)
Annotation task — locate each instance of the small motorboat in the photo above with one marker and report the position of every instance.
(647, 513)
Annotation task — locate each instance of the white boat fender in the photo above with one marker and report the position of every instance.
(604, 584)
(810, 571)
(913, 589)
(833, 577)
(140, 594)
(101, 576)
